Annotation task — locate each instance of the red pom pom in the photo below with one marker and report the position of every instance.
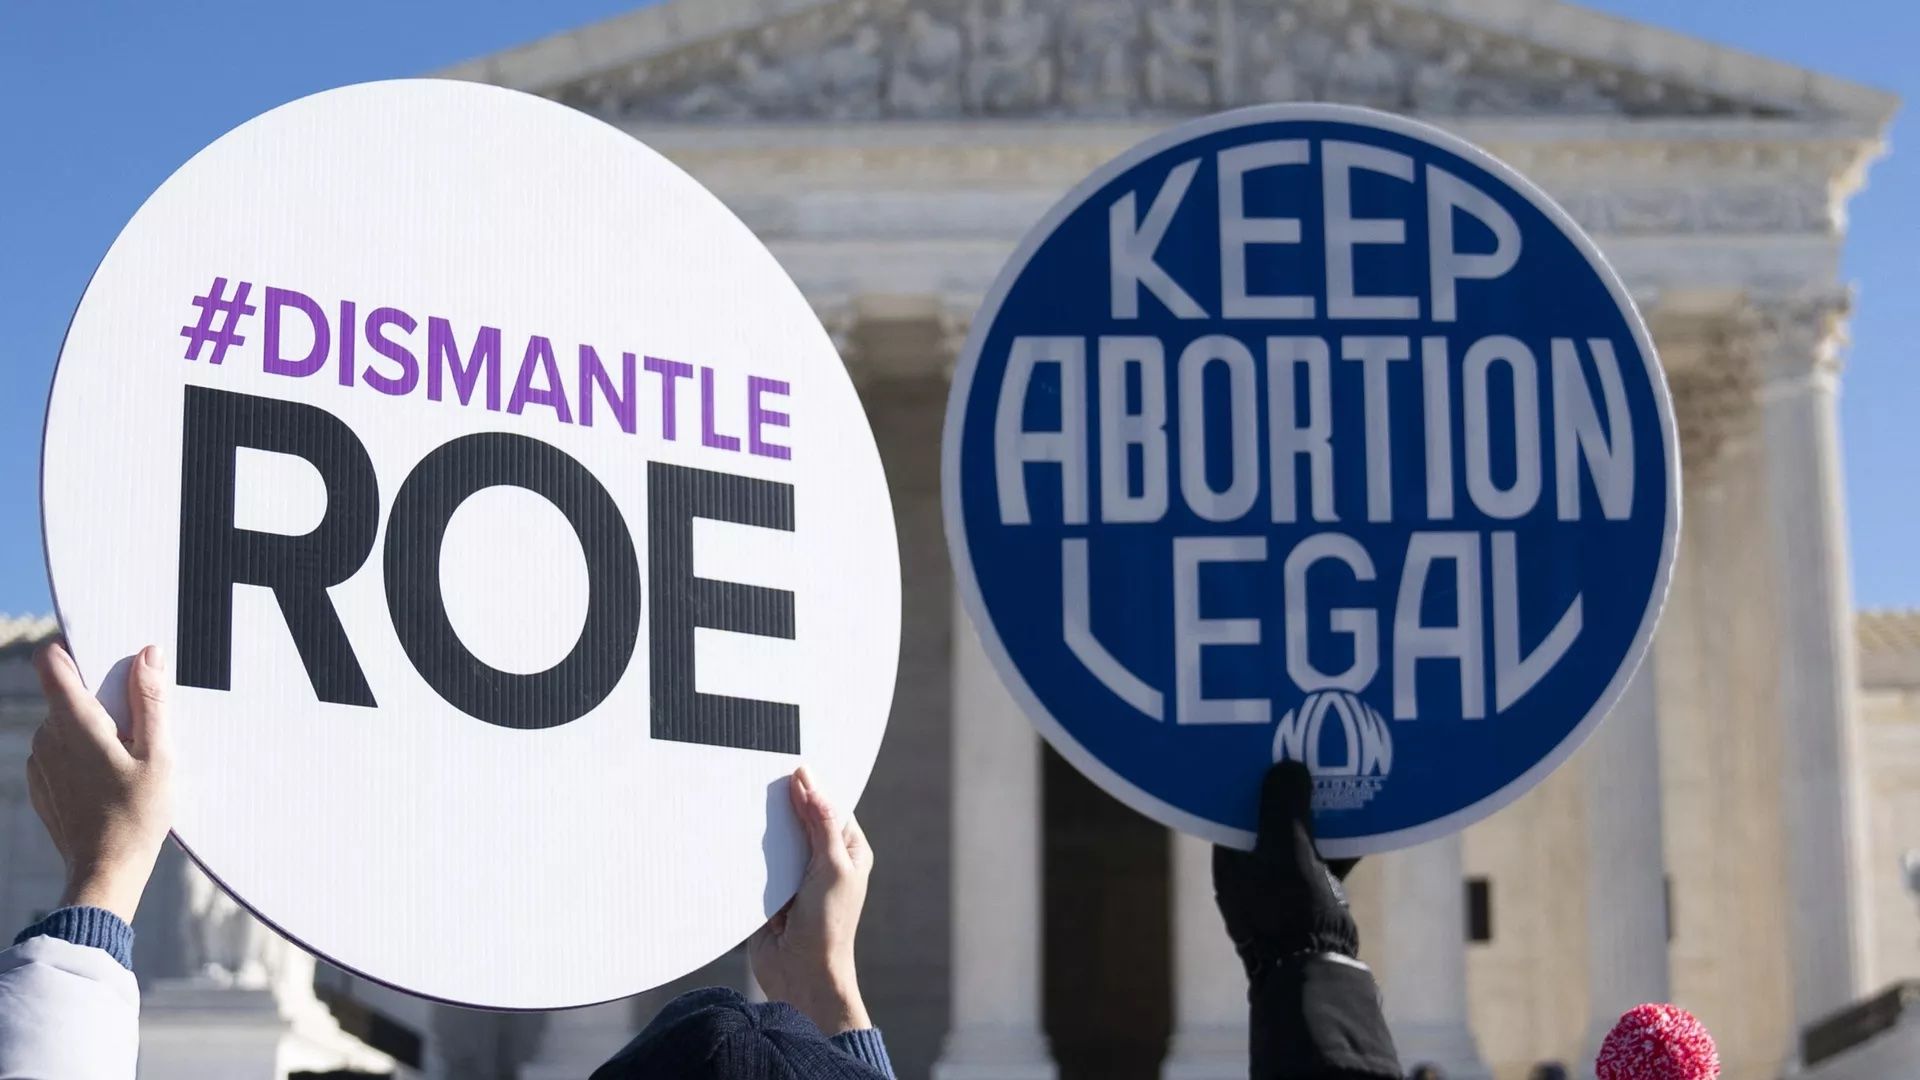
(1657, 1042)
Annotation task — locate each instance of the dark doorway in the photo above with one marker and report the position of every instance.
(1108, 938)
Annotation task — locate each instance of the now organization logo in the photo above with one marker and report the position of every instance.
(1343, 742)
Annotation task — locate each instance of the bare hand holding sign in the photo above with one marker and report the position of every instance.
(804, 955)
(105, 798)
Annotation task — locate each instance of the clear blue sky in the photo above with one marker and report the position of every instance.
(102, 100)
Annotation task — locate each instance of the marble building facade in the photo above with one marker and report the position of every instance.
(1731, 837)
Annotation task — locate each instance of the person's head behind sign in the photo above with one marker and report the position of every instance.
(715, 1034)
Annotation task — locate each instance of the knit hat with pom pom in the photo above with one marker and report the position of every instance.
(1657, 1042)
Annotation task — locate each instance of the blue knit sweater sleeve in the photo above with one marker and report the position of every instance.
(96, 927)
(867, 1047)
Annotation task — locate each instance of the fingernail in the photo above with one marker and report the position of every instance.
(802, 781)
(153, 658)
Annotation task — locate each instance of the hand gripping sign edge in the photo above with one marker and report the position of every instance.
(954, 500)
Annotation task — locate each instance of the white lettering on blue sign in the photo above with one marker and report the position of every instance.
(1310, 404)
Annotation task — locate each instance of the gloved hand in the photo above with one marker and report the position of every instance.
(1313, 1009)
(1280, 899)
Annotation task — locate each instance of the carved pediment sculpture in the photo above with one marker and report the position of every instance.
(920, 59)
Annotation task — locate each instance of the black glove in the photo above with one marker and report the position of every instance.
(1315, 1011)
(1280, 900)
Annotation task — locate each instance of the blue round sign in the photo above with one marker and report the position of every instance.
(1311, 432)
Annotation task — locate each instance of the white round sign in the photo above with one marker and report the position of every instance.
(512, 525)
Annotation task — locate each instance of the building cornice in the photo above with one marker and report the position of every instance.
(1524, 33)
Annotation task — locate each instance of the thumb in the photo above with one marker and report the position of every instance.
(775, 925)
(859, 852)
(1286, 807)
(817, 817)
(149, 736)
(1286, 832)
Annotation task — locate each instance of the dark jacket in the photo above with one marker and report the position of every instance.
(1314, 1011)
(716, 1034)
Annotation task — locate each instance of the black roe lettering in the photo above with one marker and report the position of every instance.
(215, 555)
(676, 495)
(431, 493)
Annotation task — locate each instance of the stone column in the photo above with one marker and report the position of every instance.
(1626, 880)
(576, 1041)
(1423, 958)
(1794, 345)
(225, 997)
(1209, 985)
(996, 1032)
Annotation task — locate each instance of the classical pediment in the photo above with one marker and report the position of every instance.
(838, 60)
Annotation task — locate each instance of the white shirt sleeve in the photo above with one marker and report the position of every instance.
(67, 1012)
